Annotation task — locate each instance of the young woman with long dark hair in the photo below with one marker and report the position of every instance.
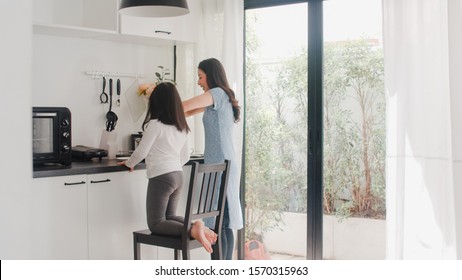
(221, 112)
(164, 147)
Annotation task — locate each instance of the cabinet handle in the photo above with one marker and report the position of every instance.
(100, 181)
(162, 31)
(73, 184)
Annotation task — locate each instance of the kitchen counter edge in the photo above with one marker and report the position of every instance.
(94, 166)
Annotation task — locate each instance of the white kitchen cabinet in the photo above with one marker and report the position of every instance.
(59, 218)
(86, 14)
(116, 208)
(93, 216)
(101, 20)
(179, 29)
(88, 216)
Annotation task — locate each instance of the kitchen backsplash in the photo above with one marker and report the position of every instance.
(59, 78)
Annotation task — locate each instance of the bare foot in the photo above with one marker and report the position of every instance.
(198, 232)
(211, 235)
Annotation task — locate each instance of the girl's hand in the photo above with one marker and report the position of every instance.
(130, 169)
(146, 89)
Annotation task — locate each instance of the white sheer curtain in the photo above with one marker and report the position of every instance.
(221, 35)
(423, 78)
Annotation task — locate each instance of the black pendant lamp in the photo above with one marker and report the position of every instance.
(154, 8)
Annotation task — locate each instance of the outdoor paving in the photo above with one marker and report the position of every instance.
(279, 256)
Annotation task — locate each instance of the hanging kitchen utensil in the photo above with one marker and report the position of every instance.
(118, 92)
(103, 96)
(111, 117)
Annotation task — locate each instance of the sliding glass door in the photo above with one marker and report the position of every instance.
(354, 131)
(275, 132)
(314, 178)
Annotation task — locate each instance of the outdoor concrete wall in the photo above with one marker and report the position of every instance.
(353, 238)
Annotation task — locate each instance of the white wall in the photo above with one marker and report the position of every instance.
(59, 79)
(15, 124)
(43, 70)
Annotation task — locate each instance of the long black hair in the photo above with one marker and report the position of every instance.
(216, 77)
(165, 105)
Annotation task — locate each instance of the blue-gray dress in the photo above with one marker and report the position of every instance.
(219, 125)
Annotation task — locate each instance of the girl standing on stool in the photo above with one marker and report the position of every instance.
(221, 111)
(164, 147)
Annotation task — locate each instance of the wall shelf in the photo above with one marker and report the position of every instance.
(99, 34)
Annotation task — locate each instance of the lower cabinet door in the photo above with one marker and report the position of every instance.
(59, 218)
(116, 208)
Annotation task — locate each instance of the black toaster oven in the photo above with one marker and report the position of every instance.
(51, 135)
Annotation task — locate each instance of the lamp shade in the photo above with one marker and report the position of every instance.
(154, 8)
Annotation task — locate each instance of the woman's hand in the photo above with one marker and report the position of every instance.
(130, 169)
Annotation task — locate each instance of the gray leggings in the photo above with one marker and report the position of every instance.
(161, 203)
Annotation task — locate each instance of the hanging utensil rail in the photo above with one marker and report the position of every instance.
(99, 74)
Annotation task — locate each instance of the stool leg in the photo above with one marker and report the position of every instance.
(176, 254)
(136, 249)
(186, 254)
